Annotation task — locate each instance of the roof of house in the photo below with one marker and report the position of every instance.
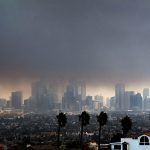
(148, 133)
(116, 143)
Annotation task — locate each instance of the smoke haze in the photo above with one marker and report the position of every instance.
(102, 42)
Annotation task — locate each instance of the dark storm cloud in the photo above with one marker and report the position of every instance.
(101, 39)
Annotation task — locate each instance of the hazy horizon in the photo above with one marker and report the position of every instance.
(92, 90)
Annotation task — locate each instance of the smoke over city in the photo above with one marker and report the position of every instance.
(100, 42)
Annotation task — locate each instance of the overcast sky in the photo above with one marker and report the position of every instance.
(100, 41)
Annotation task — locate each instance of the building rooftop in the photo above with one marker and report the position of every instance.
(148, 133)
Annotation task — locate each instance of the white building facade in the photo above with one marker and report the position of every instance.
(141, 143)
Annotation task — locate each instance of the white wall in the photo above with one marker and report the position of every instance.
(133, 143)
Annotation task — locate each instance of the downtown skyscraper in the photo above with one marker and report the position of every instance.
(74, 96)
(119, 95)
(16, 99)
(41, 100)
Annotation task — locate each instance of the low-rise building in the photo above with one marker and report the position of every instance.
(141, 143)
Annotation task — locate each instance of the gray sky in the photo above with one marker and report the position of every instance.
(100, 41)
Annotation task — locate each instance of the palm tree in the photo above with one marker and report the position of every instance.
(84, 119)
(126, 123)
(102, 120)
(62, 120)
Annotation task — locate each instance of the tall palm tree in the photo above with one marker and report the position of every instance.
(84, 119)
(102, 120)
(62, 120)
(126, 123)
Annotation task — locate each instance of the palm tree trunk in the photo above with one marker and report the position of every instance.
(81, 137)
(99, 138)
(58, 136)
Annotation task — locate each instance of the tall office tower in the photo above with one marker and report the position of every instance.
(41, 100)
(53, 92)
(145, 92)
(136, 102)
(100, 100)
(112, 103)
(3, 102)
(108, 102)
(89, 102)
(69, 94)
(83, 90)
(74, 96)
(139, 100)
(68, 101)
(127, 100)
(8, 104)
(27, 104)
(79, 89)
(16, 99)
(146, 104)
(119, 94)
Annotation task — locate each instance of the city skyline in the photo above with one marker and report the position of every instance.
(107, 92)
(74, 98)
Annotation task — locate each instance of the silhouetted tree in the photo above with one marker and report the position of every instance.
(84, 119)
(62, 120)
(126, 123)
(102, 120)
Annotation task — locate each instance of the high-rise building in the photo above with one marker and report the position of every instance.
(41, 100)
(74, 96)
(139, 100)
(146, 104)
(136, 102)
(68, 100)
(16, 99)
(89, 102)
(79, 89)
(108, 102)
(27, 104)
(127, 100)
(3, 102)
(99, 99)
(145, 93)
(112, 103)
(119, 94)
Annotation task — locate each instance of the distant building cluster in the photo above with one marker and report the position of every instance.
(75, 99)
(45, 98)
(129, 100)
